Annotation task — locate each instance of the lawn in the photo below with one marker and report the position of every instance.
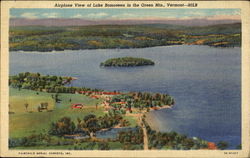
(23, 123)
(132, 120)
(33, 99)
(27, 122)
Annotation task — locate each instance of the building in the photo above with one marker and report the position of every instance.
(77, 106)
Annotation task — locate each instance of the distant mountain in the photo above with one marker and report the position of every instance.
(84, 22)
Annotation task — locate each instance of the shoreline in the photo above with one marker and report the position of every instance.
(62, 51)
(152, 121)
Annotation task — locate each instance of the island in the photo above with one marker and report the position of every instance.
(127, 62)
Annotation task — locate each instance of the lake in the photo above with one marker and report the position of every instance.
(205, 82)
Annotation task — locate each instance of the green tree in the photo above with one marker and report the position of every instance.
(90, 124)
(238, 146)
(62, 127)
(103, 146)
(222, 145)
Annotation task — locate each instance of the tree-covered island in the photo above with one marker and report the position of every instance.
(126, 62)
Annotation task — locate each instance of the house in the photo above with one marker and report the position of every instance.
(77, 106)
(94, 97)
(111, 93)
(211, 146)
(43, 106)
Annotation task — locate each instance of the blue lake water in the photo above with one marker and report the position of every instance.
(205, 82)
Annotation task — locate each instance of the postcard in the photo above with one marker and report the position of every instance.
(125, 79)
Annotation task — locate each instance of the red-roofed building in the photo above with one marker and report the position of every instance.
(95, 97)
(105, 93)
(77, 106)
(111, 93)
(211, 146)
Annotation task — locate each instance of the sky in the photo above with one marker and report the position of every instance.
(113, 14)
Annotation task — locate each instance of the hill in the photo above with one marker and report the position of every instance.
(39, 38)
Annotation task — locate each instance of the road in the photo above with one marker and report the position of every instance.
(145, 135)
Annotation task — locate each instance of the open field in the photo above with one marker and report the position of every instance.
(31, 99)
(24, 123)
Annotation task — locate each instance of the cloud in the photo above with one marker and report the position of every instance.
(127, 15)
(29, 15)
(12, 16)
(224, 17)
(236, 12)
(197, 14)
(124, 15)
(77, 16)
(91, 15)
(97, 15)
(50, 15)
(193, 14)
(33, 15)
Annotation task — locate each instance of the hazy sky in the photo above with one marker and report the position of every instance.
(108, 14)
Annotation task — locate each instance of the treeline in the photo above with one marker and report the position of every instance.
(143, 100)
(127, 62)
(89, 125)
(114, 36)
(48, 83)
(48, 140)
(132, 139)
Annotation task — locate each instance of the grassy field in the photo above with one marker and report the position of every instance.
(24, 123)
(18, 99)
(132, 120)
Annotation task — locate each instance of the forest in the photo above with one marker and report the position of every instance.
(37, 38)
(142, 101)
(127, 62)
(45, 83)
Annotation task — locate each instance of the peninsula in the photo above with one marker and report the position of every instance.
(75, 118)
